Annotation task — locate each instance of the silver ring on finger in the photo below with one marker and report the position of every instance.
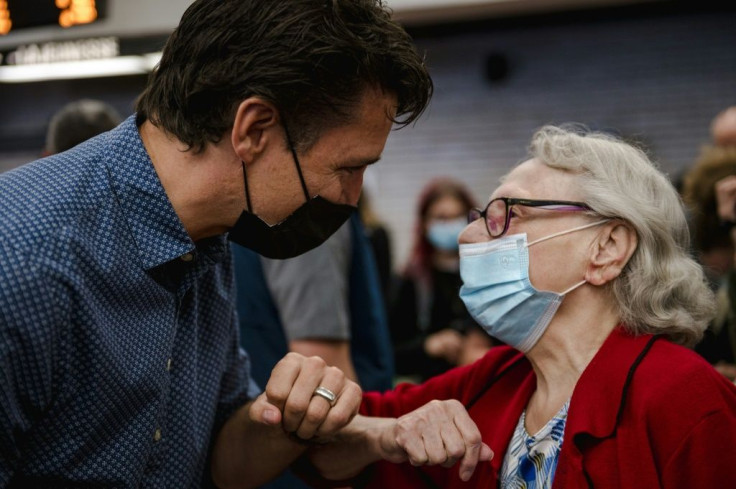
(326, 394)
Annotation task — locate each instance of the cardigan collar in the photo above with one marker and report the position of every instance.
(600, 393)
(597, 399)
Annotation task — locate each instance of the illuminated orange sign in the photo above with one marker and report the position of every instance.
(21, 14)
(75, 12)
(5, 22)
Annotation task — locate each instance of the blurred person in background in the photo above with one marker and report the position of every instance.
(430, 326)
(380, 240)
(119, 347)
(326, 303)
(710, 238)
(707, 190)
(77, 122)
(723, 127)
(580, 264)
(719, 344)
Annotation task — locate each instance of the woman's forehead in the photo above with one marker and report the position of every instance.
(534, 179)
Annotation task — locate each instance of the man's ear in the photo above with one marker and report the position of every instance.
(253, 128)
(611, 252)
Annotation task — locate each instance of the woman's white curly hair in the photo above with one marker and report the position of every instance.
(662, 289)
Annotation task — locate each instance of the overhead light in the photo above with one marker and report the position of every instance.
(94, 68)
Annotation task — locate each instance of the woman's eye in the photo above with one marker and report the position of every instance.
(512, 214)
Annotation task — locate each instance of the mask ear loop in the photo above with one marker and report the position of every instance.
(579, 228)
(566, 231)
(247, 194)
(573, 287)
(296, 161)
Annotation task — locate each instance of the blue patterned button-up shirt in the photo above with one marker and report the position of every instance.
(119, 358)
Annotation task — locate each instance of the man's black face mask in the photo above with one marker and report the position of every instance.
(306, 228)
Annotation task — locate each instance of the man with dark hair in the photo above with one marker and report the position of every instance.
(119, 349)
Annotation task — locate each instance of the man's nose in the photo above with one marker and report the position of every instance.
(351, 191)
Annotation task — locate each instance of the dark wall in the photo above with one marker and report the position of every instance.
(25, 109)
(657, 75)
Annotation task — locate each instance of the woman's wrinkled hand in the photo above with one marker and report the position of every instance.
(438, 433)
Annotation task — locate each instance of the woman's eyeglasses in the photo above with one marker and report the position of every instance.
(497, 213)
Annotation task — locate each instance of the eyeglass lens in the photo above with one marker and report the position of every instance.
(496, 217)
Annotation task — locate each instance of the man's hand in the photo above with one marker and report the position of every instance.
(289, 398)
(438, 433)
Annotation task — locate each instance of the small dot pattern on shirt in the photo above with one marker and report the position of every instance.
(118, 339)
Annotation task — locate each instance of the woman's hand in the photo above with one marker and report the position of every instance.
(438, 433)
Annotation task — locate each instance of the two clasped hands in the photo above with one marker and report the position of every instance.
(317, 403)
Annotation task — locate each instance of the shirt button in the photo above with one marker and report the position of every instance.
(168, 364)
(157, 434)
(187, 257)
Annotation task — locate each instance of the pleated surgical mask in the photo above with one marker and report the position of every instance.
(498, 293)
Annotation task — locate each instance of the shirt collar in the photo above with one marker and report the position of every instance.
(181, 274)
(601, 391)
(157, 231)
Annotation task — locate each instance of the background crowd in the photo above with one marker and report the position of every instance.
(283, 338)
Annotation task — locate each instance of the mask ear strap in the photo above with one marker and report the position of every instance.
(296, 161)
(573, 287)
(566, 231)
(247, 194)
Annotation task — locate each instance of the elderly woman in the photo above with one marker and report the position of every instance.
(579, 264)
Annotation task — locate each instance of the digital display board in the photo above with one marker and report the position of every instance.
(20, 14)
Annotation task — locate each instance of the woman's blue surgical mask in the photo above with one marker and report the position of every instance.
(443, 234)
(498, 293)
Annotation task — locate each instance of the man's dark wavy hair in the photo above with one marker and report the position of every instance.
(312, 59)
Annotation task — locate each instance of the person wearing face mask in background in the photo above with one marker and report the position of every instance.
(379, 238)
(326, 303)
(580, 264)
(430, 327)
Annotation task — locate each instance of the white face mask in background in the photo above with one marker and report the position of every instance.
(443, 234)
(498, 294)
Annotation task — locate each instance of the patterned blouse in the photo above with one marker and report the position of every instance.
(531, 461)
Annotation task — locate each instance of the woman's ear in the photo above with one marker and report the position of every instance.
(611, 252)
(253, 128)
